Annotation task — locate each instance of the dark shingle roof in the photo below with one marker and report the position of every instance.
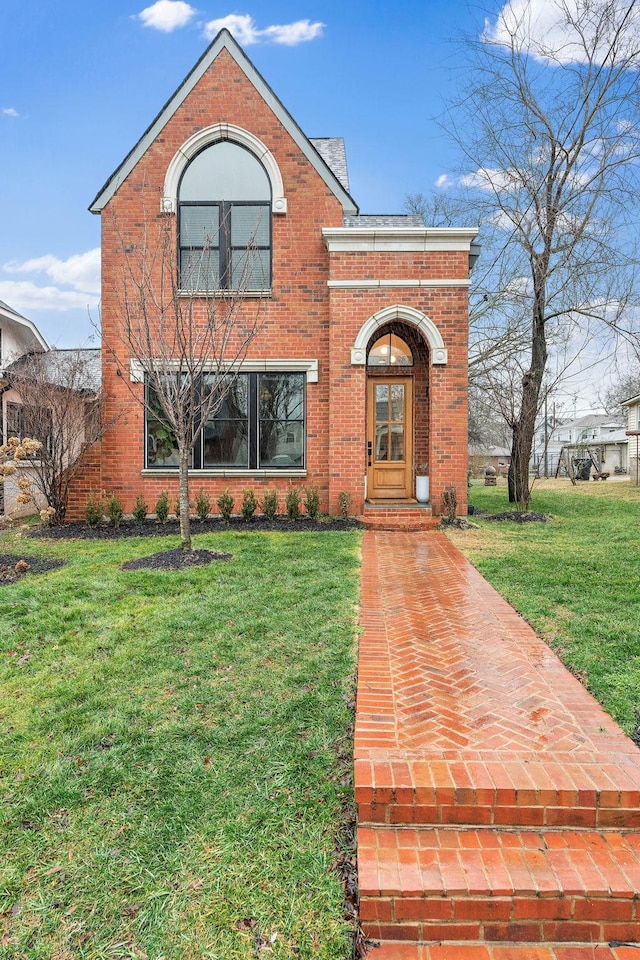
(385, 220)
(332, 151)
(82, 366)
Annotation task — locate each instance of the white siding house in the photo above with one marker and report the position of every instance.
(633, 433)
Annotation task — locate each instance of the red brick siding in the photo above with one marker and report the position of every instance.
(302, 318)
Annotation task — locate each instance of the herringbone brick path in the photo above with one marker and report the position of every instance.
(497, 802)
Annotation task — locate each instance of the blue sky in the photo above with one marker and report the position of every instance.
(80, 81)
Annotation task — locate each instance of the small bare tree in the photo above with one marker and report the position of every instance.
(184, 334)
(548, 132)
(61, 405)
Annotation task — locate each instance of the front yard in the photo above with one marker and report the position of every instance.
(174, 750)
(576, 579)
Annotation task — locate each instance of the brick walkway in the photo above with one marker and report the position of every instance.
(499, 806)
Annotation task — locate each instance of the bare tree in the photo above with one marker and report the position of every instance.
(497, 333)
(185, 336)
(623, 388)
(548, 133)
(61, 406)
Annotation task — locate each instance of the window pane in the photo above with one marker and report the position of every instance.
(382, 402)
(382, 441)
(234, 405)
(226, 443)
(397, 441)
(390, 350)
(226, 434)
(251, 269)
(200, 270)
(281, 443)
(225, 171)
(199, 226)
(250, 226)
(162, 449)
(281, 411)
(281, 396)
(397, 402)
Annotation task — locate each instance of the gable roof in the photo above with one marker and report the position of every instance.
(8, 314)
(224, 41)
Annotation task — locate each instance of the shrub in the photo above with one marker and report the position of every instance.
(140, 509)
(344, 502)
(312, 502)
(114, 509)
(162, 507)
(203, 506)
(450, 502)
(269, 505)
(93, 511)
(249, 504)
(225, 504)
(292, 503)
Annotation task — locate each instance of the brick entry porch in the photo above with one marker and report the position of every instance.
(498, 805)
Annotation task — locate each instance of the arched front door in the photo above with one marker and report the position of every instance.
(389, 438)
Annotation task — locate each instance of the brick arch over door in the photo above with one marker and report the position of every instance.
(409, 315)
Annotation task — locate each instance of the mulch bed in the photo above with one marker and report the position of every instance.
(527, 516)
(151, 528)
(175, 560)
(25, 564)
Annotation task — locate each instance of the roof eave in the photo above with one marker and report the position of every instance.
(24, 322)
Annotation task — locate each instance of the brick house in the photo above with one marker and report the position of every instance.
(357, 379)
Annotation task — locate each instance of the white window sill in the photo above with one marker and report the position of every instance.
(225, 294)
(229, 472)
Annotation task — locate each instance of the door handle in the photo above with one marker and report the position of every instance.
(369, 451)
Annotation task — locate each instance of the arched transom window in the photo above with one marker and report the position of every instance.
(390, 351)
(224, 208)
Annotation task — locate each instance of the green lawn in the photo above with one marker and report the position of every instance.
(576, 579)
(170, 750)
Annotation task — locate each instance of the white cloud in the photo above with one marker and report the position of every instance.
(24, 295)
(81, 271)
(491, 180)
(444, 181)
(9, 112)
(167, 15)
(244, 29)
(558, 29)
(290, 34)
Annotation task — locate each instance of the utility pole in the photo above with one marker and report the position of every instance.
(546, 439)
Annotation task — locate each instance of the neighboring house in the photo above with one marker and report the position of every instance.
(481, 457)
(633, 434)
(359, 370)
(18, 336)
(596, 435)
(59, 395)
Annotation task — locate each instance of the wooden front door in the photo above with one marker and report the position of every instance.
(389, 438)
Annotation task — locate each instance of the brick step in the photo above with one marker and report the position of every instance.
(401, 524)
(488, 885)
(398, 950)
(538, 792)
(406, 517)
